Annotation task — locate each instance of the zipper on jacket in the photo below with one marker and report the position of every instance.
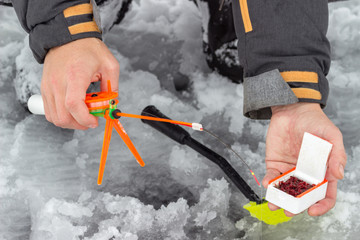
(221, 4)
(245, 15)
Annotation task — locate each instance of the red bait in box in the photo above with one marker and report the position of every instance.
(294, 186)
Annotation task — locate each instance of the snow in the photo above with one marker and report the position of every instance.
(48, 175)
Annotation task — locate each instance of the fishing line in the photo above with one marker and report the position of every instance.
(232, 150)
(155, 118)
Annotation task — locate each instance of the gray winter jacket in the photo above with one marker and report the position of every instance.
(284, 51)
(51, 23)
(282, 45)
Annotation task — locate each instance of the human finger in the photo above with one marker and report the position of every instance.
(51, 108)
(110, 71)
(43, 91)
(75, 104)
(46, 109)
(272, 207)
(271, 173)
(289, 214)
(327, 203)
(65, 119)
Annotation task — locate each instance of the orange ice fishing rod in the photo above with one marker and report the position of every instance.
(104, 104)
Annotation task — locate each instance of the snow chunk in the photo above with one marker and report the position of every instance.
(346, 208)
(219, 193)
(70, 146)
(166, 17)
(54, 221)
(344, 33)
(130, 213)
(187, 167)
(81, 160)
(172, 219)
(74, 210)
(28, 76)
(203, 218)
(214, 93)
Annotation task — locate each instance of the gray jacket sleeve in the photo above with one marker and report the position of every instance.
(284, 51)
(56, 22)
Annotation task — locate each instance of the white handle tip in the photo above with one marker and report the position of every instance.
(36, 105)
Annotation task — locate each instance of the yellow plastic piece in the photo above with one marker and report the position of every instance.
(263, 213)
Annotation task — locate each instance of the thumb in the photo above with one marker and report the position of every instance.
(271, 173)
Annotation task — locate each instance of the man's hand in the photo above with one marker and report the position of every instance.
(284, 137)
(68, 72)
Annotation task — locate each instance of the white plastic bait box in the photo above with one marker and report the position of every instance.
(311, 168)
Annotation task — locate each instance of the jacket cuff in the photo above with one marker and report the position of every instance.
(264, 91)
(73, 23)
(276, 88)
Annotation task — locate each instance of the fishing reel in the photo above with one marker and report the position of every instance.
(104, 104)
(99, 102)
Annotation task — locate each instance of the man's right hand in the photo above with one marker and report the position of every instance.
(68, 71)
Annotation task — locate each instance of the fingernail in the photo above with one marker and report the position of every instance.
(93, 126)
(341, 170)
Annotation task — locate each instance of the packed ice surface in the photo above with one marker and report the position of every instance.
(48, 175)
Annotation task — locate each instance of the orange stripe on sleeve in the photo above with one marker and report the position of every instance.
(83, 28)
(299, 76)
(80, 9)
(245, 15)
(307, 93)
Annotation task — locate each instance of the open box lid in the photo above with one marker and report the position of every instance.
(313, 156)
